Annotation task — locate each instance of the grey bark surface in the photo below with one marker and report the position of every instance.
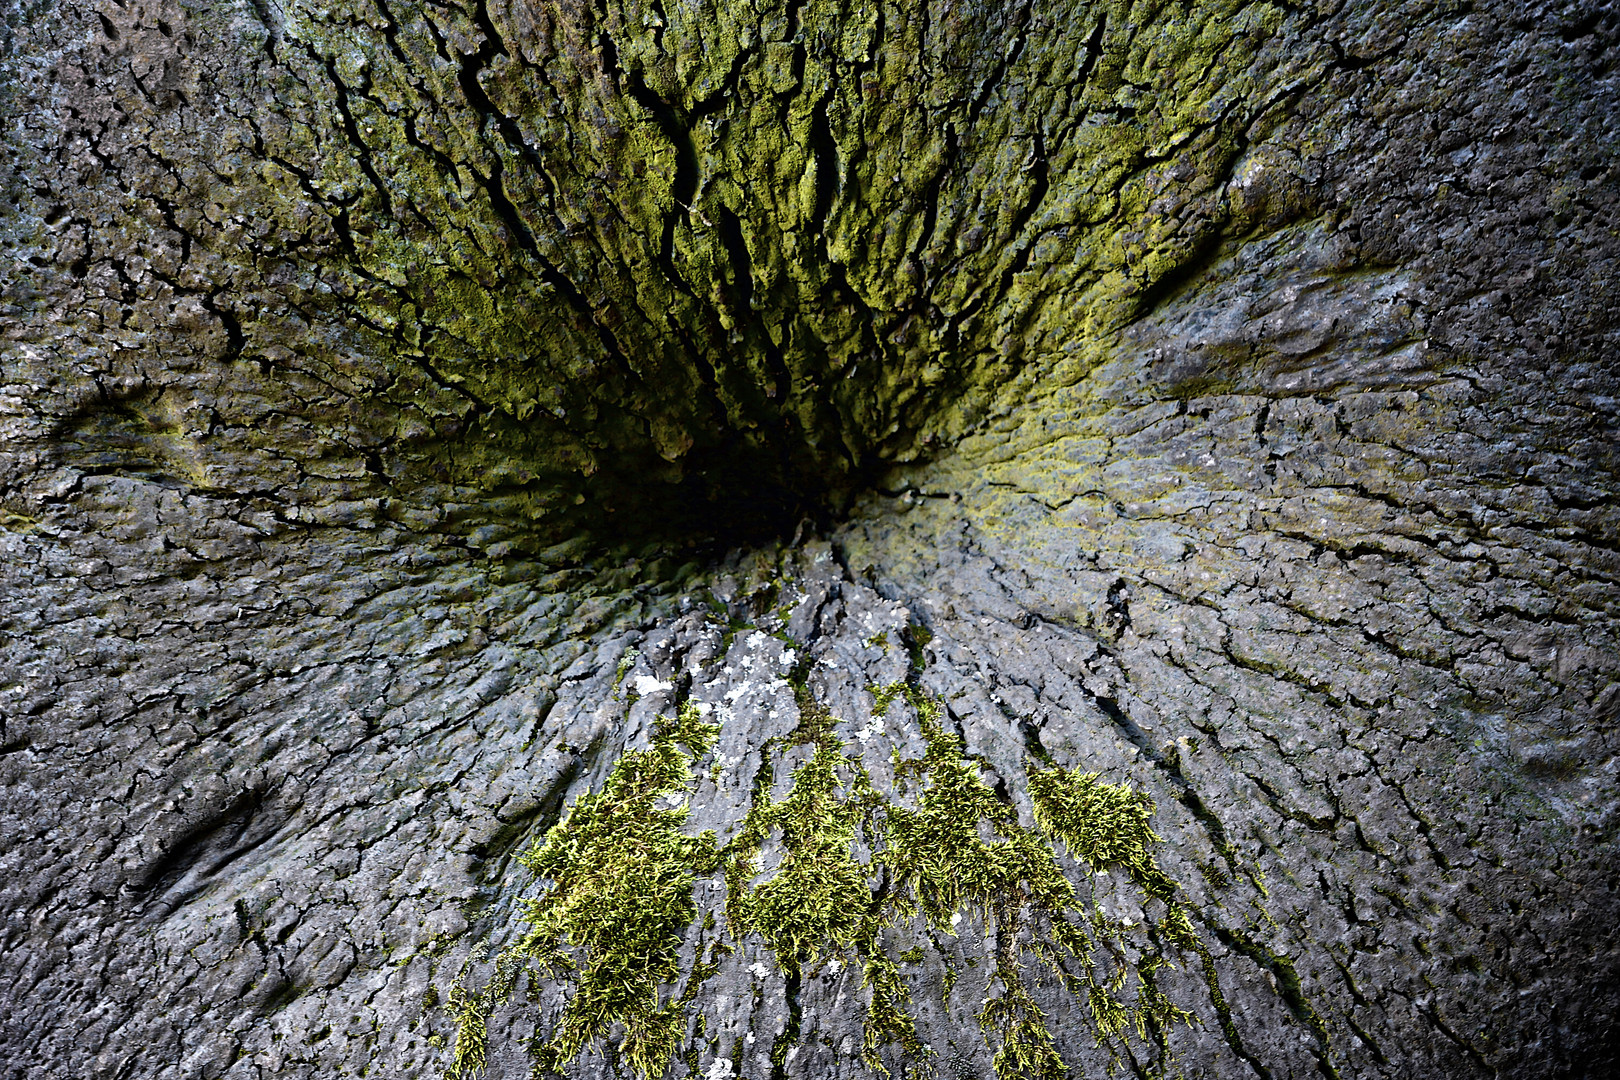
(1281, 485)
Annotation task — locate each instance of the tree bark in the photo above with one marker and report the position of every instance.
(417, 418)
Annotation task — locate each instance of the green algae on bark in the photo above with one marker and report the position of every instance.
(742, 257)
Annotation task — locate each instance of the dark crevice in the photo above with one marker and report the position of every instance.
(235, 339)
(495, 188)
(206, 848)
(1094, 51)
(1275, 799)
(824, 153)
(1433, 1017)
(790, 1034)
(683, 185)
(742, 268)
(1186, 794)
(352, 130)
(1167, 763)
(1572, 33)
(1009, 56)
(1206, 251)
(1288, 986)
(1223, 1011)
(1366, 1040)
(931, 195)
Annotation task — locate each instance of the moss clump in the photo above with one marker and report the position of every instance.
(943, 862)
(818, 898)
(616, 913)
(1106, 826)
(620, 904)
(960, 848)
(821, 900)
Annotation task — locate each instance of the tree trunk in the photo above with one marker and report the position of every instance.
(800, 540)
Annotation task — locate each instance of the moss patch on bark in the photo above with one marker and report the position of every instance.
(620, 903)
(707, 262)
(613, 920)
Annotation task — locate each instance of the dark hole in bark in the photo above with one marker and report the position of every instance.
(734, 493)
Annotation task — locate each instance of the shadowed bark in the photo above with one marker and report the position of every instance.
(409, 410)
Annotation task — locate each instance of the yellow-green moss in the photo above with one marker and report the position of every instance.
(820, 900)
(943, 866)
(1106, 826)
(619, 906)
(768, 245)
(615, 914)
(819, 895)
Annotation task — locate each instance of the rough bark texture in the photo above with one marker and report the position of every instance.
(1219, 397)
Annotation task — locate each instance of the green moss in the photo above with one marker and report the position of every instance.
(943, 864)
(614, 917)
(622, 873)
(626, 662)
(884, 696)
(739, 254)
(820, 901)
(818, 898)
(1106, 826)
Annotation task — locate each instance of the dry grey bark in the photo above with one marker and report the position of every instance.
(301, 638)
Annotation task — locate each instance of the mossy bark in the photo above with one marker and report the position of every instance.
(404, 406)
